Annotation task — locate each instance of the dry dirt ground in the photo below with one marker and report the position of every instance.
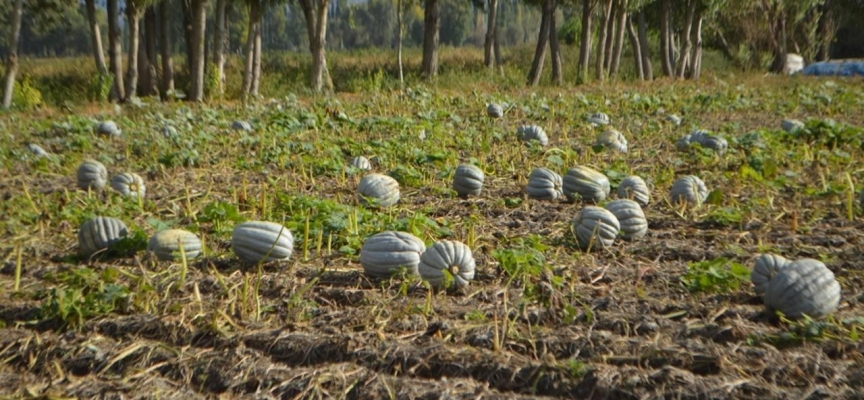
(616, 324)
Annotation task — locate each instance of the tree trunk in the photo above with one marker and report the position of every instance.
(188, 21)
(637, 49)
(431, 28)
(610, 36)
(497, 45)
(12, 57)
(165, 47)
(684, 59)
(554, 48)
(665, 38)
(542, 41)
(647, 69)
(619, 37)
(488, 50)
(252, 28)
(115, 50)
(585, 40)
(599, 73)
(96, 36)
(780, 51)
(697, 50)
(150, 87)
(399, 43)
(256, 60)
(133, 22)
(220, 41)
(196, 65)
(315, 12)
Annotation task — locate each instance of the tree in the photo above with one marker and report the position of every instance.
(198, 11)
(585, 40)
(647, 69)
(315, 13)
(618, 46)
(96, 35)
(252, 47)
(220, 41)
(12, 57)
(399, 28)
(489, 40)
(165, 46)
(134, 10)
(431, 28)
(115, 50)
(599, 73)
(666, 38)
(149, 76)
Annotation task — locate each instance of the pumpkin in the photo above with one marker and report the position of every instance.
(361, 163)
(585, 183)
(528, 133)
(129, 184)
(166, 244)
(673, 119)
(378, 190)
(704, 139)
(803, 287)
(244, 126)
(791, 125)
(262, 241)
(598, 119)
(168, 131)
(99, 234)
(689, 189)
(92, 175)
(544, 184)
(595, 227)
(494, 110)
(765, 268)
(631, 219)
(612, 139)
(454, 257)
(382, 255)
(468, 180)
(108, 128)
(635, 188)
(37, 150)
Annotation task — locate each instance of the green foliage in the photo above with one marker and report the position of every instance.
(715, 276)
(83, 294)
(100, 87)
(828, 133)
(523, 259)
(212, 83)
(25, 95)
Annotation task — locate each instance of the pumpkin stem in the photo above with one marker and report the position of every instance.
(454, 269)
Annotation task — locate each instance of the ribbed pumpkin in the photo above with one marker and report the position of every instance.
(612, 139)
(494, 110)
(361, 163)
(92, 175)
(166, 244)
(241, 126)
(168, 131)
(468, 180)
(378, 190)
(791, 125)
(544, 184)
(689, 189)
(598, 119)
(631, 219)
(454, 257)
(595, 227)
(382, 255)
(765, 268)
(261, 241)
(584, 183)
(673, 119)
(108, 128)
(129, 184)
(528, 133)
(635, 188)
(804, 286)
(99, 234)
(704, 139)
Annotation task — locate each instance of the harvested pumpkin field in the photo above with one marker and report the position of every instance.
(556, 304)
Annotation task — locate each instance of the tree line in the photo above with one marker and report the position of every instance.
(146, 33)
